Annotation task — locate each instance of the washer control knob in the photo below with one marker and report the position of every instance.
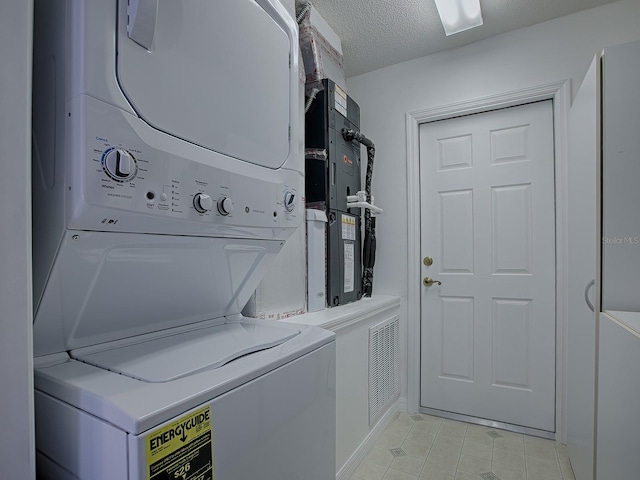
(202, 202)
(119, 164)
(289, 201)
(225, 205)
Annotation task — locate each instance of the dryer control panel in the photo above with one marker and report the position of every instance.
(126, 176)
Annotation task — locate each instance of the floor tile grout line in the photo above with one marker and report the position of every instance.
(425, 459)
(429, 452)
(526, 470)
(493, 444)
(440, 423)
(458, 462)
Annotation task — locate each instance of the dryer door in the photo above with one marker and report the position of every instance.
(219, 74)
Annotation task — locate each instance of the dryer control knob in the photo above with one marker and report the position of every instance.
(202, 202)
(225, 205)
(289, 201)
(119, 164)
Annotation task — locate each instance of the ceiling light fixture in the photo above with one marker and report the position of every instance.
(459, 15)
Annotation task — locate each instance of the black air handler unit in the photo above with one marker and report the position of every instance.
(330, 178)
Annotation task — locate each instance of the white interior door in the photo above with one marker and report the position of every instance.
(488, 222)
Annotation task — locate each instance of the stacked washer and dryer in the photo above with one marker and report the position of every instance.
(168, 171)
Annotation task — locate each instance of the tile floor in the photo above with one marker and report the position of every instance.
(424, 447)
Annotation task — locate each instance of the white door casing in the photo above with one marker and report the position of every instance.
(488, 333)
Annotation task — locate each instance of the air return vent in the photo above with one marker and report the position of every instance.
(384, 367)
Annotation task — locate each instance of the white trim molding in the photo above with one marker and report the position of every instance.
(559, 93)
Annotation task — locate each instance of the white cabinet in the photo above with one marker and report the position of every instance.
(618, 396)
(618, 422)
(604, 239)
(352, 323)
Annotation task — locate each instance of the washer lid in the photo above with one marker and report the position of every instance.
(105, 286)
(206, 79)
(172, 357)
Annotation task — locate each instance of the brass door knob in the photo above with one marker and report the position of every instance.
(428, 281)
(428, 261)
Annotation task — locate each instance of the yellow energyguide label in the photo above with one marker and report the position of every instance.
(183, 449)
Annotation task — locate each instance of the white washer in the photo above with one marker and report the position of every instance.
(168, 172)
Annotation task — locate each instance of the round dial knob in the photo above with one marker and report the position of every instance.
(119, 164)
(289, 201)
(225, 205)
(202, 202)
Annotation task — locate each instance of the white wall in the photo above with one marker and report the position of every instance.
(552, 51)
(16, 372)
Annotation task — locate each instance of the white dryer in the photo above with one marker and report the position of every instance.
(168, 171)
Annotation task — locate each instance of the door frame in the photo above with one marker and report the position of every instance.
(559, 93)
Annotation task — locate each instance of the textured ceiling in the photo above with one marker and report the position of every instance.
(378, 33)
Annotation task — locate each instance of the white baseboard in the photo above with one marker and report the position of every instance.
(350, 466)
(402, 405)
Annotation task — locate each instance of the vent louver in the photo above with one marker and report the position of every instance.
(384, 367)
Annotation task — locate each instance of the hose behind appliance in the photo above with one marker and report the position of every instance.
(369, 247)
